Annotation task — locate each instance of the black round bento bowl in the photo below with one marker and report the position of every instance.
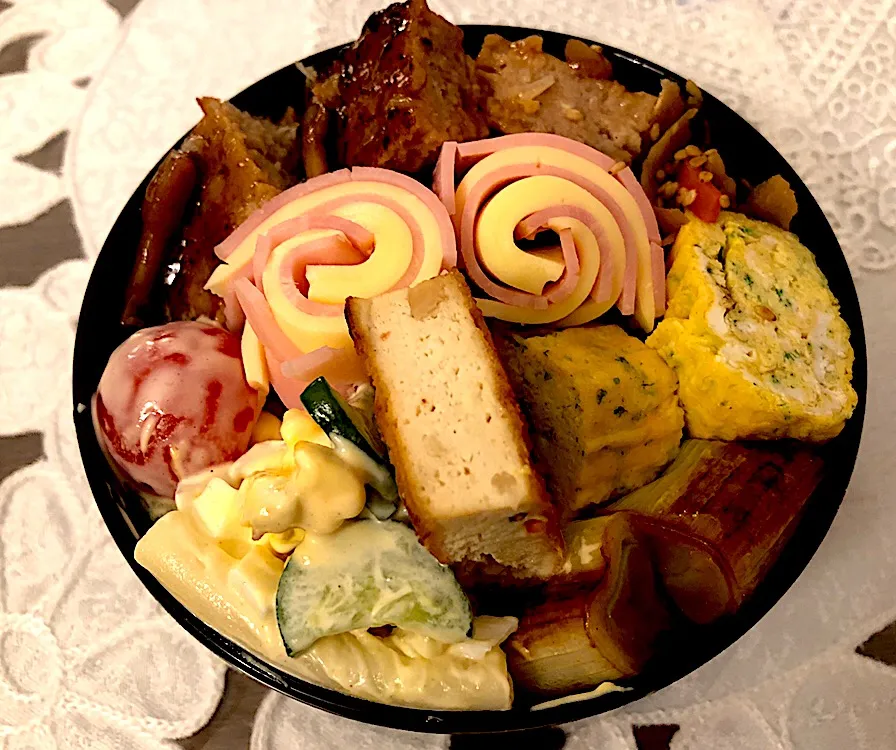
(747, 154)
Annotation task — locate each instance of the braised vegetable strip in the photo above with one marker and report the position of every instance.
(698, 530)
(711, 492)
(162, 213)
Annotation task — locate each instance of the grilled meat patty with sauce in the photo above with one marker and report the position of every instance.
(533, 91)
(403, 89)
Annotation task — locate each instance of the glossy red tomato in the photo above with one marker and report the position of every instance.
(174, 400)
(708, 201)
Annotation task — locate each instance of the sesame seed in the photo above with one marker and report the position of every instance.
(669, 189)
(705, 176)
(681, 155)
(724, 201)
(655, 131)
(661, 174)
(617, 168)
(573, 115)
(692, 150)
(697, 161)
(687, 197)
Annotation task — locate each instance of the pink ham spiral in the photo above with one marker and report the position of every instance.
(631, 275)
(289, 268)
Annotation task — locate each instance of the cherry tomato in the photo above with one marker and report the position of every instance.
(173, 400)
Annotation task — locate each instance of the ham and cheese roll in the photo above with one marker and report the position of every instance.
(290, 267)
(514, 187)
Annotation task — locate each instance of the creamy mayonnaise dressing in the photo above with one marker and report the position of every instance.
(314, 489)
(289, 492)
(237, 598)
(300, 481)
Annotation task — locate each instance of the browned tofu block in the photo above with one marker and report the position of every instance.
(453, 428)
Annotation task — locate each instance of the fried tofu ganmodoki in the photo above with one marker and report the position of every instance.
(602, 406)
(755, 335)
(443, 404)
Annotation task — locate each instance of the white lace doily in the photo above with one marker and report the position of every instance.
(813, 76)
(87, 658)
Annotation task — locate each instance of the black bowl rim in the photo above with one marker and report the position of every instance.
(469, 721)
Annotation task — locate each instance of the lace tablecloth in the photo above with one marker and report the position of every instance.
(86, 657)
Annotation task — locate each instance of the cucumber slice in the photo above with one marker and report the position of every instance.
(379, 507)
(366, 575)
(336, 417)
(351, 437)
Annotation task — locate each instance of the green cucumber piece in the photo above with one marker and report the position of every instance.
(353, 439)
(336, 417)
(366, 575)
(379, 507)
